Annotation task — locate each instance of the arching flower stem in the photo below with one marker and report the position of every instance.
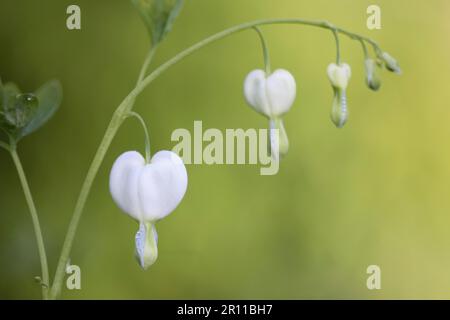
(147, 136)
(265, 49)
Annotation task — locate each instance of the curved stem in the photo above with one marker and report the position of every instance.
(338, 47)
(183, 54)
(111, 131)
(148, 60)
(92, 172)
(147, 136)
(127, 104)
(265, 51)
(364, 48)
(35, 219)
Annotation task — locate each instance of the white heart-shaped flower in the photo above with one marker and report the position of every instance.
(339, 75)
(148, 192)
(271, 95)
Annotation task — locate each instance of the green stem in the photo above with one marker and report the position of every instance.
(147, 136)
(113, 127)
(364, 48)
(265, 51)
(148, 60)
(125, 107)
(35, 219)
(92, 172)
(338, 47)
(218, 36)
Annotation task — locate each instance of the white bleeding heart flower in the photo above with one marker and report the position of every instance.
(148, 192)
(339, 76)
(272, 95)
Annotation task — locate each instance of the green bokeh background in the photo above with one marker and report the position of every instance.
(375, 192)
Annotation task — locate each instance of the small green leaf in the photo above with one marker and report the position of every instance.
(24, 113)
(20, 111)
(9, 93)
(159, 16)
(50, 97)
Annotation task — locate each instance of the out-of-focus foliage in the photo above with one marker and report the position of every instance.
(158, 16)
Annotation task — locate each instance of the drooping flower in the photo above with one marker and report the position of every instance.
(372, 78)
(148, 192)
(272, 95)
(391, 63)
(339, 76)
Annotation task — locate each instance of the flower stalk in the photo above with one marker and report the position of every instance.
(147, 136)
(44, 279)
(265, 49)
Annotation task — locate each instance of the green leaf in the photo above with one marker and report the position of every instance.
(20, 111)
(159, 16)
(9, 92)
(24, 113)
(49, 97)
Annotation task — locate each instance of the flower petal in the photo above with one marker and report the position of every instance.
(281, 92)
(146, 241)
(162, 185)
(255, 92)
(123, 182)
(339, 75)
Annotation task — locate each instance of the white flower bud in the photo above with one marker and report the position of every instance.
(372, 79)
(390, 63)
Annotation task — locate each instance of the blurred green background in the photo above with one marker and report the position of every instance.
(375, 192)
